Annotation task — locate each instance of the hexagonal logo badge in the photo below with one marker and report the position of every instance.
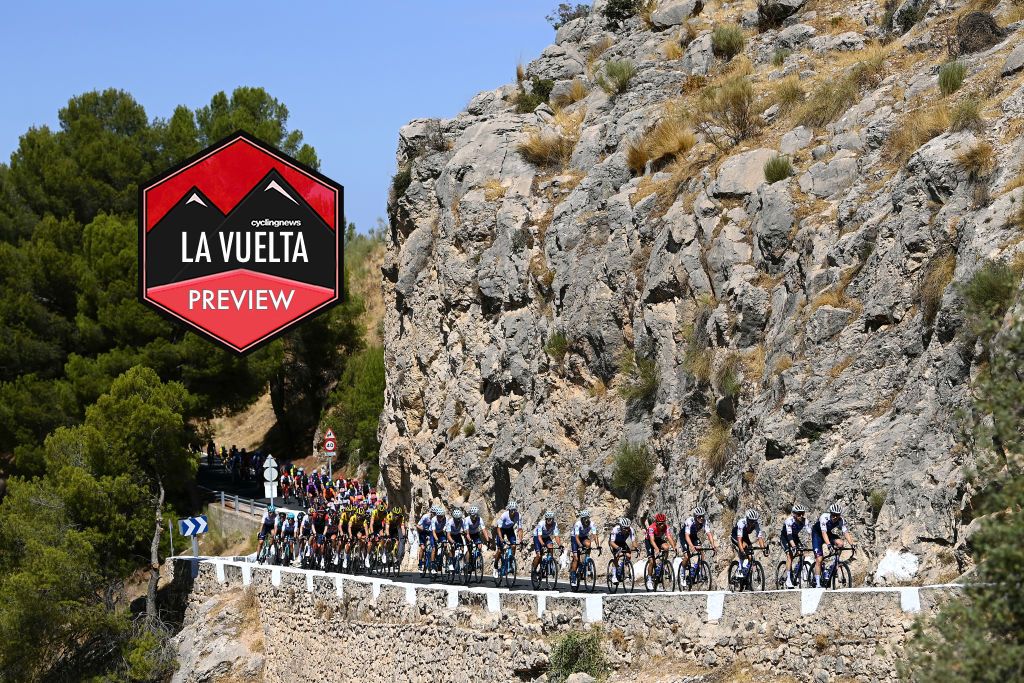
(240, 243)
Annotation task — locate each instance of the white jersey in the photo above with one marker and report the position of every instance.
(741, 527)
(584, 531)
(474, 527)
(690, 527)
(426, 522)
(544, 530)
(455, 528)
(619, 536)
(507, 521)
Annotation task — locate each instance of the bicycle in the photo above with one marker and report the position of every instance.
(507, 566)
(436, 567)
(455, 567)
(585, 569)
(801, 574)
(696, 576)
(620, 567)
(838, 574)
(753, 579)
(475, 566)
(660, 576)
(546, 572)
(287, 553)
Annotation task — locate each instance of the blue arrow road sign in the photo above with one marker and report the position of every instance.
(192, 526)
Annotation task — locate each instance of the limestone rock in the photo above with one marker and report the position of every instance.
(1014, 62)
(826, 179)
(674, 13)
(773, 12)
(742, 174)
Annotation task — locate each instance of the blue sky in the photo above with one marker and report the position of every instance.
(351, 73)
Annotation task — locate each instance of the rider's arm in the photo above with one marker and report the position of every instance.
(711, 540)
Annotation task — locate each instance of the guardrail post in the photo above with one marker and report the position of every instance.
(222, 504)
(252, 506)
(236, 502)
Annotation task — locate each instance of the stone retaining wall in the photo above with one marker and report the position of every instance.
(327, 627)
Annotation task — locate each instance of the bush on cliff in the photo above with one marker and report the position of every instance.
(577, 652)
(634, 467)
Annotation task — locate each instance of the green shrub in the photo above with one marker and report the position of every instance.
(469, 429)
(401, 181)
(633, 469)
(727, 113)
(951, 77)
(933, 285)
(727, 41)
(966, 115)
(566, 12)
(727, 378)
(876, 500)
(617, 11)
(778, 168)
(988, 295)
(827, 102)
(641, 383)
(616, 76)
(557, 346)
(780, 55)
(577, 652)
(540, 91)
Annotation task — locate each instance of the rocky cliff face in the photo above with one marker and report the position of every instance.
(756, 343)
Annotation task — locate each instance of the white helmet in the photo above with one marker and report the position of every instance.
(457, 513)
(624, 522)
(584, 514)
(835, 508)
(699, 511)
(511, 507)
(474, 510)
(797, 507)
(435, 509)
(753, 515)
(549, 515)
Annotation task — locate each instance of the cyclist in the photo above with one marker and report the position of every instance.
(622, 541)
(790, 538)
(438, 529)
(507, 529)
(266, 526)
(746, 527)
(546, 535)
(455, 530)
(423, 531)
(476, 530)
(288, 533)
(394, 527)
(332, 531)
(580, 539)
(304, 527)
(319, 530)
(286, 485)
(659, 539)
(377, 517)
(827, 532)
(695, 525)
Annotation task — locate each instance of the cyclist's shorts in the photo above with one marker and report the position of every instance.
(576, 547)
(423, 536)
(395, 533)
(332, 534)
(263, 533)
(650, 548)
(539, 542)
(434, 542)
(785, 540)
(476, 538)
(506, 534)
(818, 543)
(459, 540)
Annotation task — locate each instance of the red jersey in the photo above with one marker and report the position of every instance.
(654, 535)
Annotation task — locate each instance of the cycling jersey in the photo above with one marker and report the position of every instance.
(423, 527)
(744, 528)
(690, 531)
(288, 529)
(437, 528)
(583, 532)
(319, 524)
(621, 537)
(269, 522)
(474, 528)
(306, 526)
(545, 532)
(507, 521)
(456, 529)
(653, 534)
(791, 528)
(826, 527)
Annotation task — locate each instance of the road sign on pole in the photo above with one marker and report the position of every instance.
(270, 490)
(329, 436)
(193, 526)
(270, 482)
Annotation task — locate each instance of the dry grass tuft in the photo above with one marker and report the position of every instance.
(966, 115)
(979, 160)
(598, 49)
(917, 128)
(839, 367)
(933, 285)
(715, 445)
(669, 138)
(788, 94)
(754, 362)
(553, 144)
(727, 113)
(493, 189)
(672, 49)
(783, 363)
(577, 91)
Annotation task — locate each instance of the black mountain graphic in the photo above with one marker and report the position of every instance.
(272, 198)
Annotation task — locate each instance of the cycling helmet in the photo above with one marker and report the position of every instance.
(440, 511)
(835, 509)
(301, 514)
(291, 515)
(584, 514)
(457, 513)
(512, 507)
(271, 509)
(435, 509)
(624, 522)
(753, 515)
(310, 510)
(474, 510)
(798, 508)
(396, 510)
(549, 515)
(699, 511)
(660, 518)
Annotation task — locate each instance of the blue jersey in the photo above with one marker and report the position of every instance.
(583, 531)
(621, 537)
(425, 521)
(474, 528)
(439, 524)
(455, 528)
(545, 531)
(791, 528)
(509, 520)
(826, 527)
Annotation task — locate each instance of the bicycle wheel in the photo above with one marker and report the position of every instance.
(703, 581)
(609, 577)
(806, 574)
(552, 575)
(842, 578)
(479, 569)
(756, 576)
(780, 575)
(666, 581)
(589, 575)
(734, 579)
(500, 574)
(510, 575)
(628, 579)
(535, 577)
